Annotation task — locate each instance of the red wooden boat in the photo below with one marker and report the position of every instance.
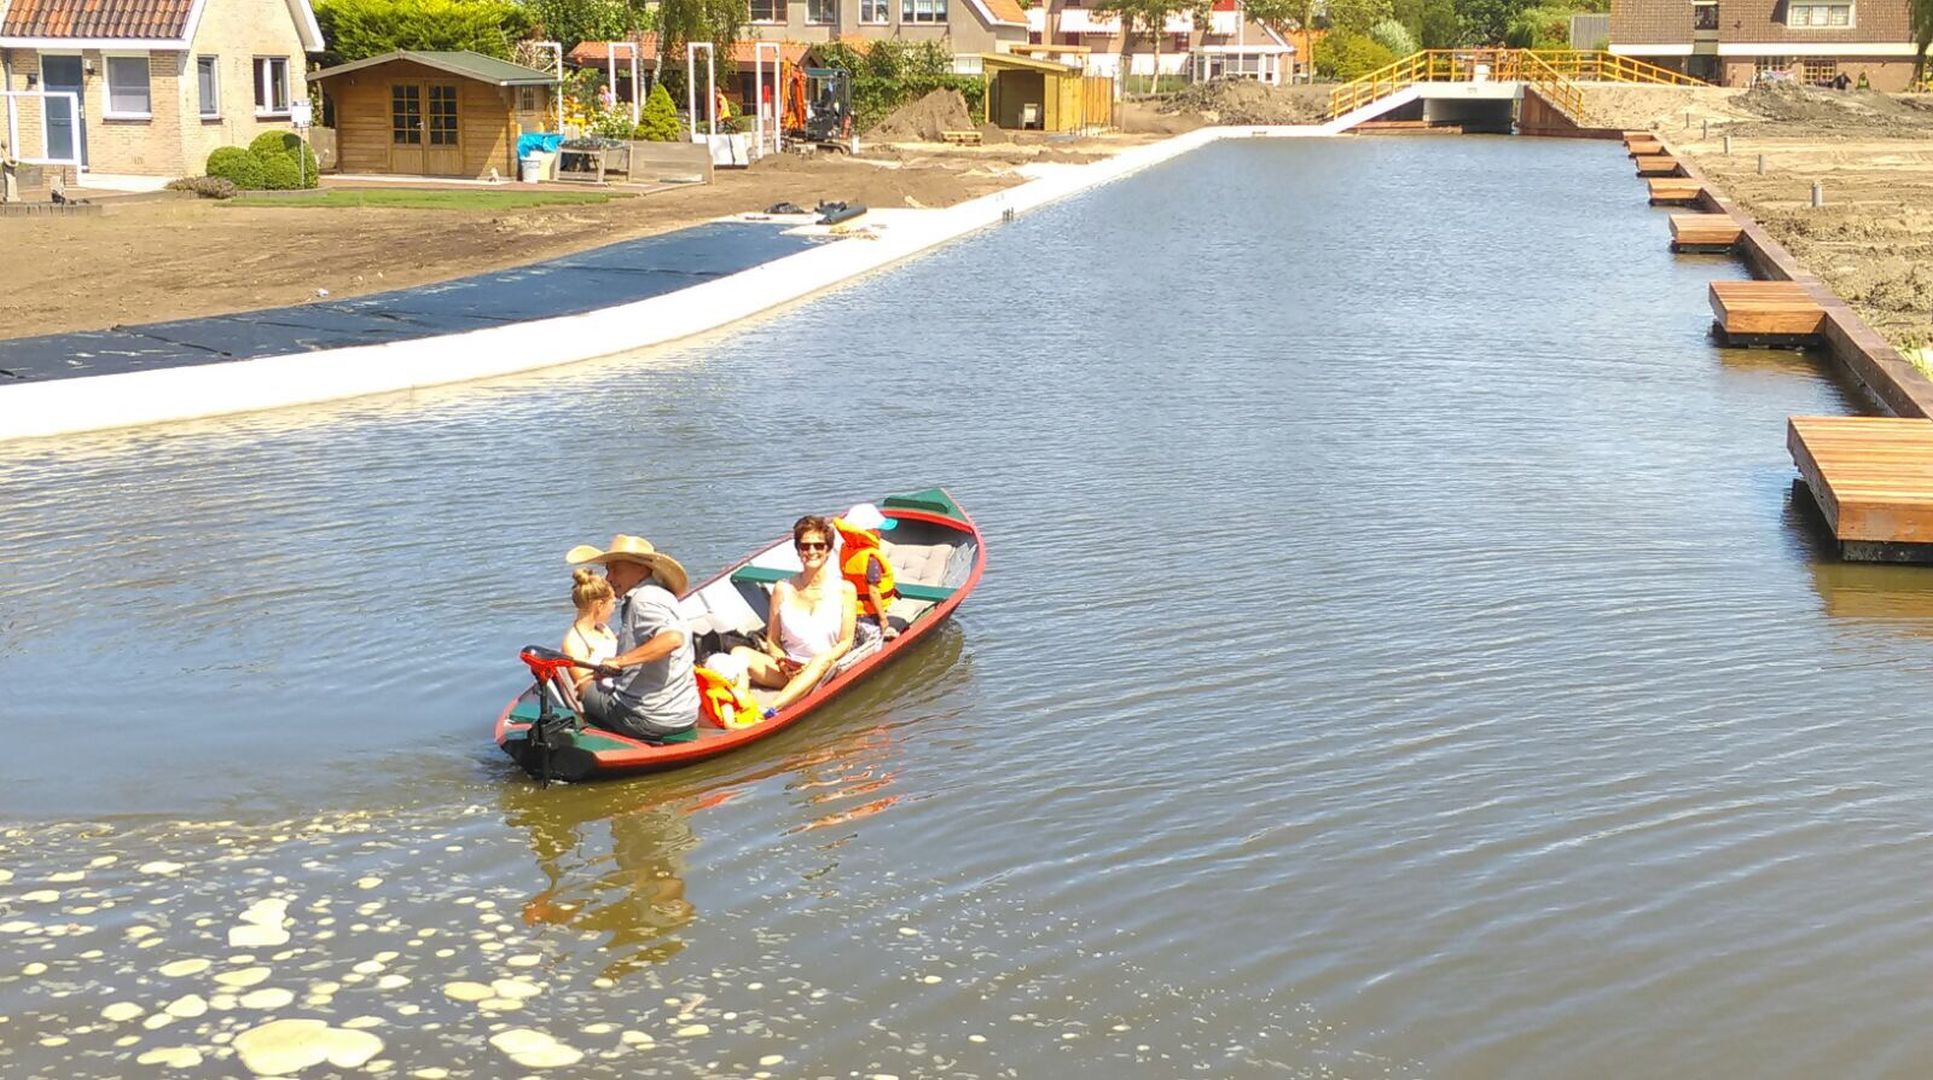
(937, 558)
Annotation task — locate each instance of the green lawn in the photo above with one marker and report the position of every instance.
(413, 199)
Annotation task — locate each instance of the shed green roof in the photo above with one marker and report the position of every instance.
(470, 65)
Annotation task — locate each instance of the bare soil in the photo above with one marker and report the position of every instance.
(1872, 242)
(150, 261)
(925, 119)
(1245, 101)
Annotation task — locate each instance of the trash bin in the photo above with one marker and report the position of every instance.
(530, 170)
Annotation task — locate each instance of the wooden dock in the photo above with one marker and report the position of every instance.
(1644, 147)
(1657, 165)
(1872, 480)
(1708, 233)
(1777, 313)
(1675, 190)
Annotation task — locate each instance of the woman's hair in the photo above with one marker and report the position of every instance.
(811, 523)
(588, 587)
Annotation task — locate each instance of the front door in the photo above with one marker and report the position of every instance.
(443, 151)
(65, 130)
(406, 129)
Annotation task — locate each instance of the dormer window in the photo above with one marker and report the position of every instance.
(1817, 16)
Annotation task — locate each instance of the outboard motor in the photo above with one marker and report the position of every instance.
(557, 719)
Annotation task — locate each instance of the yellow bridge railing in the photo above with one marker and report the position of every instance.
(1554, 72)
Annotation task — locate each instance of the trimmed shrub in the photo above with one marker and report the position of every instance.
(208, 187)
(279, 173)
(237, 166)
(658, 122)
(270, 145)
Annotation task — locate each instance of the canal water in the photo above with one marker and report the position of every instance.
(1400, 654)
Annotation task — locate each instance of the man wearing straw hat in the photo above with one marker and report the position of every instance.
(654, 695)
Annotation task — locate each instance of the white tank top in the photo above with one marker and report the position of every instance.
(805, 633)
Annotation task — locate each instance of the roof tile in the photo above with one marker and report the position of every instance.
(97, 18)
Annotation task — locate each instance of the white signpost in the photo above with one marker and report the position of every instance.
(301, 116)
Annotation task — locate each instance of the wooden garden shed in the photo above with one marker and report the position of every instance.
(1024, 92)
(434, 113)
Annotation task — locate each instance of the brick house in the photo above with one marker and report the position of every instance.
(1228, 44)
(160, 82)
(1730, 42)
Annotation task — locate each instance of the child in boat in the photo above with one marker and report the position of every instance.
(866, 566)
(590, 638)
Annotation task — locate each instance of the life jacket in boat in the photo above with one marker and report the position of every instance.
(861, 547)
(720, 704)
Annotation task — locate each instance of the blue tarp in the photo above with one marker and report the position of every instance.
(616, 274)
(546, 141)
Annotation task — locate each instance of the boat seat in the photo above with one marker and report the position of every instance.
(764, 575)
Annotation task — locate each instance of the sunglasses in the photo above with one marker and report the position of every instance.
(812, 545)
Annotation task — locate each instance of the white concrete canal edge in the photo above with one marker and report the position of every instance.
(98, 402)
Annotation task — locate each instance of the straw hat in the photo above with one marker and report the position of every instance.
(633, 549)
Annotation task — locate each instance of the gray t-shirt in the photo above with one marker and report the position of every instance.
(663, 693)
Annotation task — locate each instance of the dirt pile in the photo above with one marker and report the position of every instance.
(1811, 111)
(1670, 109)
(1245, 101)
(923, 120)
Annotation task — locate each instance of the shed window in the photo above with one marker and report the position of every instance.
(406, 115)
(443, 115)
(271, 85)
(208, 84)
(127, 86)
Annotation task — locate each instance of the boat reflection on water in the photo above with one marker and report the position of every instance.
(633, 893)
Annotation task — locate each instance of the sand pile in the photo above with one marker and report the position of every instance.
(941, 110)
(1661, 108)
(1809, 111)
(1245, 101)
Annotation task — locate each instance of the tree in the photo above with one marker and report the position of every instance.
(682, 21)
(1439, 29)
(1357, 16)
(359, 29)
(659, 120)
(571, 21)
(1395, 37)
(1151, 17)
(1485, 22)
(1921, 14)
(1345, 54)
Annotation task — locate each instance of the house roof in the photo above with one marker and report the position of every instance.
(595, 53)
(142, 19)
(155, 24)
(470, 65)
(1004, 11)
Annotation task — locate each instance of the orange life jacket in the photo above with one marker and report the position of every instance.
(720, 704)
(861, 547)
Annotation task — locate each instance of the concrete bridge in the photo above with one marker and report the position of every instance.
(1489, 89)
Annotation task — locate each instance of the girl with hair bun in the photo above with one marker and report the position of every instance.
(590, 638)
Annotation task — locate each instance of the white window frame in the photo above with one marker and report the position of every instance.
(108, 111)
(261, 70)
(927, 12)
(202, 107)
(1793, 21)
(875, 12)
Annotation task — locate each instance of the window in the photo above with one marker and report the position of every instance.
(768, 10)
(406, 115)
(1766, 64)
(1704, 16)
(530, 99)
(1814, 15)
(873, 11)
(271, 85)
(208, 81)
(922, 11)
(127, 87)
(443, 115)
(819, 11)
(1818, 71)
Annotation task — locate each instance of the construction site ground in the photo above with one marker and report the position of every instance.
(1872, 241)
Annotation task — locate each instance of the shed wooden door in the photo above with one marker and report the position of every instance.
(406, 133)
(424, 132)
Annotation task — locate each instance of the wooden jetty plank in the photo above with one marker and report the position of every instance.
(1674, 190)
(1632, 136)
(1643, 147)
(1777, 309)
(1700, 232)
(1657, 165)
(1872, 477)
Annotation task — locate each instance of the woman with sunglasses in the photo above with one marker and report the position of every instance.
(811, 623)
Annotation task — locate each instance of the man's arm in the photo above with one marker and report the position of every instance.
(661, 645)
